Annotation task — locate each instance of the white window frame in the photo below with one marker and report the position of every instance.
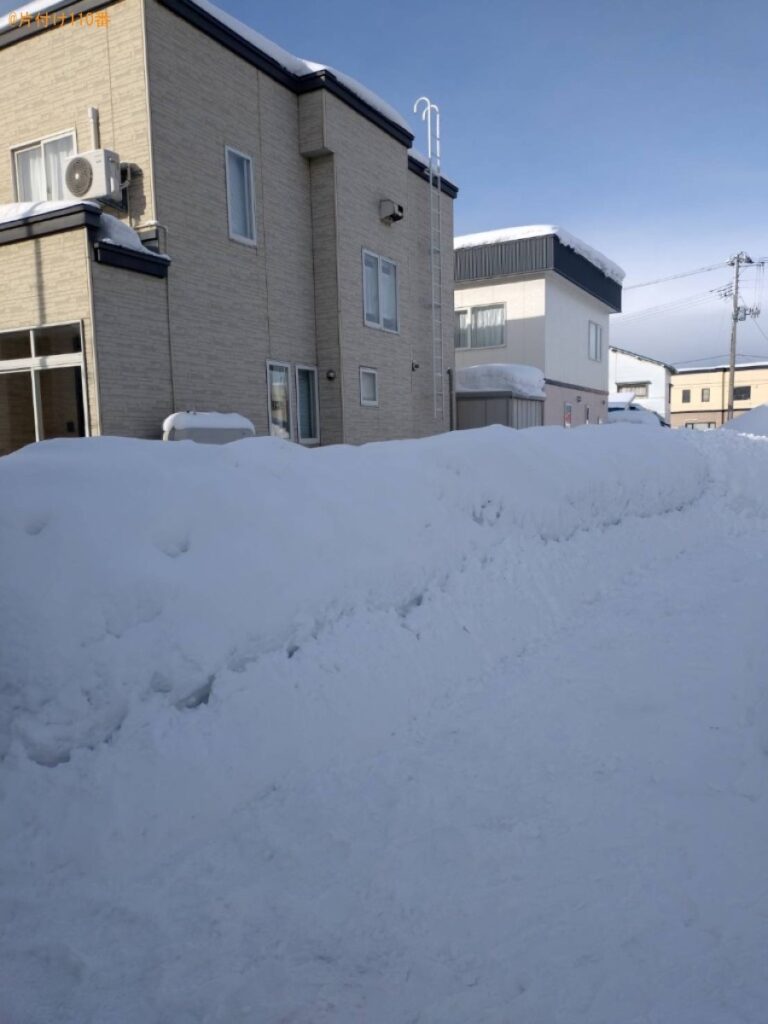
(469, 310)
(23, 147)
(242, 239)
(379, 326)
(366, 401)
(312, 370)
(281, 366)
(33, 364)
(598, 358)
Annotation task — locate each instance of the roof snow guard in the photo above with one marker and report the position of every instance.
(530, 250)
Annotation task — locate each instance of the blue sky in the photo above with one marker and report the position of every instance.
(639, 126)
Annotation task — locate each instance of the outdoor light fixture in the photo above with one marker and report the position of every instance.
(330, 375)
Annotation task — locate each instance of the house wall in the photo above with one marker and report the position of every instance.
(232, 306)
(49, 80)
(46, 281)
(586, 406)
(714, 411)
(568, 312)
(524, 300)
(630, 369)
(131, 320)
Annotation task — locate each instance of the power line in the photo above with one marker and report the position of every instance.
(676, 304)
(674, 277)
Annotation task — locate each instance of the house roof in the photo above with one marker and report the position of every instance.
(645, 359)
(595, 257)
(710, 367)
(295, 73)
(513, 252)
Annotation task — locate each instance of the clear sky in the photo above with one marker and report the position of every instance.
(639, 125)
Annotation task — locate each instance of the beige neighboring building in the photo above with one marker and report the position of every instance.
(699, 397)
(538, 296)
(264, 250)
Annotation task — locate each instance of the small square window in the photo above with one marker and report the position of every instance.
(742, 394)
(369, 386)
(242, 219)
(40, 168)
(686, 396)
(705, 394)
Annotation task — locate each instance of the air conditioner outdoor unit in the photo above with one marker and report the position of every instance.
(390, 211)
(94, 175)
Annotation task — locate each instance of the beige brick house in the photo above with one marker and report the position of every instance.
(275, 279)
(699, 394)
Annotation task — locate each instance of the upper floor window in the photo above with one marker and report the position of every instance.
(242, 219)
(686, 397)
(380, 298)
(742, 394)
(705, 394)
(40, 168)
(595, 349)
(479, 327)
(639, 390)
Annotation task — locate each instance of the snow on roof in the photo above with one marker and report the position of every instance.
(207, 421)
(524, 381)
(637, 355)
(620, 399)
(111, 230)
(10, 212)
(704, 365)
(608, 267)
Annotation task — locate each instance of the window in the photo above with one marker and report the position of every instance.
(369, 386)
(479, 327)
(700, 426)
(279, 398)
(41, 385)
(595, 346)
(640, 389)
(380, 301)
(742, 394)
(307, 414)
(242, 221)
(40, 168)
(586, 415)
(705, 394)
(686, 396)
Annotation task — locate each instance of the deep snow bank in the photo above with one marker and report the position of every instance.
(485, 742)
(149, 568)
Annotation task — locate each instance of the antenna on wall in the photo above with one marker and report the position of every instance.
(430, 113)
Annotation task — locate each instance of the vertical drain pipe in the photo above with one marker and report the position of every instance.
(93, 117)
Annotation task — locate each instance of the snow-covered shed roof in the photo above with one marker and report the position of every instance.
(511, 378)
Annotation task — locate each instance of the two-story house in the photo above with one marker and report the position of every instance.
(699, 393)
(539, 296)
(245, 232)
(647, 379)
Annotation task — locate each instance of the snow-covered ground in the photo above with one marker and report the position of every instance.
(468, 729)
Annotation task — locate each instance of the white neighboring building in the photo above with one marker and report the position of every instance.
(648, 379)
(539, 296)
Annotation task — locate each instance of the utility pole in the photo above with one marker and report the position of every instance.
(739, 313)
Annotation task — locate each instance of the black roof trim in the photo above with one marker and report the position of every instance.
(324, 79)
(446, 186)
(49, 222)
(131, 259)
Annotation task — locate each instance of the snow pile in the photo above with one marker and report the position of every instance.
(754, 422)
(520, 380)
(338, 735)
(117, 232)
(608, 267)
